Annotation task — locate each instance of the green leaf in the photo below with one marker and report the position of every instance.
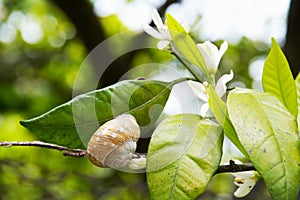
(219, 109)
(174, 25)
(73, 123)
(186, 48)
(268, 132)
(298, 99)
(278, 80)
(183, 155)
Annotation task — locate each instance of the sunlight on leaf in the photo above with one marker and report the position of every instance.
(186, 47)
(184, 152)
(72, 124)
(278, 80)
(219, 109)
(268, 132)
(298, 99)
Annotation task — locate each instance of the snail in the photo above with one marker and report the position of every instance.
(114, 143)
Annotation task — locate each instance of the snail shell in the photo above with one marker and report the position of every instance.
(114, 143)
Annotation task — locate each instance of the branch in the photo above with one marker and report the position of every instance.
(232, 167)
(66, 151)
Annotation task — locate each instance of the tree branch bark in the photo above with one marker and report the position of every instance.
(66, 151)
(232, 167)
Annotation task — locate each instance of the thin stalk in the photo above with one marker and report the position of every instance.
(176, 81)
(191, 70)
(66, 151)
(232, 167)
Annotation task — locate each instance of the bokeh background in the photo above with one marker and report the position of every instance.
(44, 43)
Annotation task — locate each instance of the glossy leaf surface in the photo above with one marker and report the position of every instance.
(72, 124)
(298, 98)
(183, 155)
(219, 109)
(268, 132)
(278, 79)
(186, 48)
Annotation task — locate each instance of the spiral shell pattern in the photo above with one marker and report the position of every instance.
(114, 143)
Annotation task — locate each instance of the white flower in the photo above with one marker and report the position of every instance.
(245, 181)
(221, 83)
(212, 55)
(162, 34)
(200, 90)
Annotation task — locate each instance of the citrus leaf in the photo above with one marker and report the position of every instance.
(183, 155)
(73, 123)
(186, 48)
(268, 132)
(219, 109)
(278, 80)
(174, 25)
(298, 99)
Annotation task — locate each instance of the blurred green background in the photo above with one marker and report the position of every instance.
(42, 46)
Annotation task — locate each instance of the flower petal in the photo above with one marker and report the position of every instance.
(151, 31)
(165, 33)
(221, 84)
(157, 20)
(199, 90)
(162, 44)
(209, 53)
(244, 188)
(245, 180)
(244, 174)
(223, 48)
(204, 109)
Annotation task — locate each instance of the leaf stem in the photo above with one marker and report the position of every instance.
(176, 81)
(191, 70)
(66, 151)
